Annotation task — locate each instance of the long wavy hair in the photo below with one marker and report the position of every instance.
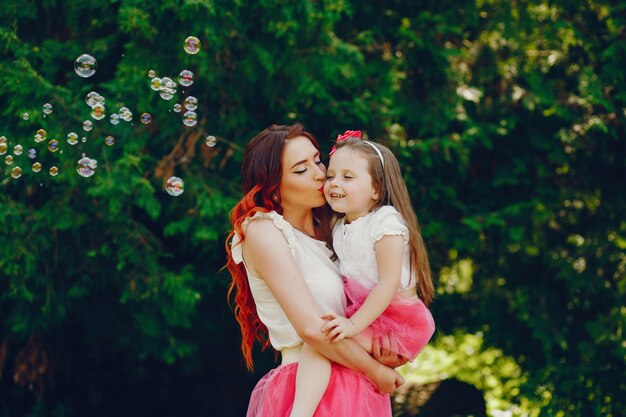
(261, 172)
(392, 190)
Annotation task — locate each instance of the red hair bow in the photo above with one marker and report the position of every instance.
(347, 134)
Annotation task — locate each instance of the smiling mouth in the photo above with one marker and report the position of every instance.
(335, 195)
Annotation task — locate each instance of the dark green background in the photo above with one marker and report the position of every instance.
(508, 119)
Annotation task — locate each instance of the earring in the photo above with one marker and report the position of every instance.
(276, 198)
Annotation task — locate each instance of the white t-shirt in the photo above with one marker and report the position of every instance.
(319, 271)
(354, 244)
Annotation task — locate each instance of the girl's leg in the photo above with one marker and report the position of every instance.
(311, 382)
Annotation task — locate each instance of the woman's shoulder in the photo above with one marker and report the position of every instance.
(263, 224)
(266, 218)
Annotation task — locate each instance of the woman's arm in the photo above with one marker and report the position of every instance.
(268, 256)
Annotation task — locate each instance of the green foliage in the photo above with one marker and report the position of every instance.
(464, 357)
(508, 120)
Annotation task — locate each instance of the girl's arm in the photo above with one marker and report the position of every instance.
(389, 252)
(268, 256)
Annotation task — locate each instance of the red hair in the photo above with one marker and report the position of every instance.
(261, 171)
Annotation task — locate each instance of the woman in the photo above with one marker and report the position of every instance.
(284, 279)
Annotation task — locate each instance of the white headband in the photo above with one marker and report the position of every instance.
(380, 155)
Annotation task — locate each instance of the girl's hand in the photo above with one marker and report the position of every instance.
(338, 327)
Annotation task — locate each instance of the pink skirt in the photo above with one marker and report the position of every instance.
(408, 319)
(348, 394)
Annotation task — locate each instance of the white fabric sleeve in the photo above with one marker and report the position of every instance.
(279, 222)
(388, 221)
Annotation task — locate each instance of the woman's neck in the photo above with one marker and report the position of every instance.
(300, 219)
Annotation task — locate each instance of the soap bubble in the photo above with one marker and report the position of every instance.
(168, 88)
(36, 167)
(38, 138)
(83, 139)
(98, 111)
(85, 66)
(175, 186)
(166, 94)
(16, 172)
(146, 118)
(25, 116)
(167, 82)
(87, 125)
(47, 108)
(192, 45)
(8, 159)
(3, 139)
(210, 141)
(17, 149)
(72, 138)
(43, 134)
(53, 145)
(53, 171)
(94, 98)
(114, 118)
(86, 166)
(125, 114)
(190, 118)
(3, 148)
(32, 153)
(191, 103)
(90, 99)
(152, 73)
(185, 78)
(155, 84)
(109, 140)
(177, 107)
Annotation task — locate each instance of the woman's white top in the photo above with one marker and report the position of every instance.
(354, 243)
(319, 271)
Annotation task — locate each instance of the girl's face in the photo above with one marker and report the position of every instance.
(303, 177)
(349, 187)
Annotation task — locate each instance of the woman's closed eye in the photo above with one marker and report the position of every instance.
(302, 171)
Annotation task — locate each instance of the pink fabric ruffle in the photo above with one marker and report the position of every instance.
(348, 394)
(408, 319)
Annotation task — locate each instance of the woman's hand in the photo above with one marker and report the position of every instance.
(387, 380)
(384, 350)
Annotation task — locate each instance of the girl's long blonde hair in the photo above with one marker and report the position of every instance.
(392, 191)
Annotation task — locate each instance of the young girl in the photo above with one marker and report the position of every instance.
(382, 258)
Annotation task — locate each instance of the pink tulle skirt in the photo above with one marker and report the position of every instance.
(408, 319)
(348, 394)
